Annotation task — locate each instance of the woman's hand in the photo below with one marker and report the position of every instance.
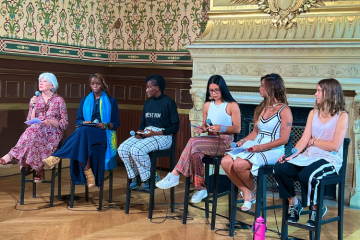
(33, 101)
(255, 148)
(214, 128)
(150, 133)
(86, 122)
(100, 125)
(311, 142)
(199, 130)
(281, 160)
(49, 122)
(139, 134)
(241, 142)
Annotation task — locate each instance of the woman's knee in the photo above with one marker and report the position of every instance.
(227, 162)
(284, 170)
(241, 165)
(136, 151)
(304, 176)
(280, 169)
(192, 142)
(123, 150)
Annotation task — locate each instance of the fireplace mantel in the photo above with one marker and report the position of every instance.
(301, 65)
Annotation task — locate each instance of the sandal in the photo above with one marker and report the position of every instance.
(40, 176)
(241, 195)
(4, 164)
(90, 178)
(247, 205)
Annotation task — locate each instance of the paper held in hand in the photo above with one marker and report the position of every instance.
(237, 150)
(33, 121)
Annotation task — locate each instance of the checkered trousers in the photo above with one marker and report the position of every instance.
(134, 153)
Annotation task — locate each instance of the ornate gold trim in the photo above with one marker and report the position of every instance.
(87, 63)
(283, 14)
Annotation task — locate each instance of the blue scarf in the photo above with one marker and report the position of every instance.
(105, 114)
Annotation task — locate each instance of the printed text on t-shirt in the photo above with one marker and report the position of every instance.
(153, 115)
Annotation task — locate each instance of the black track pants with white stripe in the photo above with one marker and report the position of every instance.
(308, 176)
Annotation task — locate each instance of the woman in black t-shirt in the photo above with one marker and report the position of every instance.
(159, 121)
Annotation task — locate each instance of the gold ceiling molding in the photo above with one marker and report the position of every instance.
(309, 29)
(283, 12)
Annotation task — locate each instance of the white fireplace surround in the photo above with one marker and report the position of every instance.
(301, 65)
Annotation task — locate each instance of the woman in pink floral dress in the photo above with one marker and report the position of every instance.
(40, 140)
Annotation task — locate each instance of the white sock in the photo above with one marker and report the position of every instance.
(296, 201)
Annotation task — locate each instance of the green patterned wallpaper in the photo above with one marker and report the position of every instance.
(150, 25)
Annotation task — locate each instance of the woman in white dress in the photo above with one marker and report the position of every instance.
(323, 136)
(265, 144)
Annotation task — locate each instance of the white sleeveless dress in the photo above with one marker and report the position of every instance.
(269, 130)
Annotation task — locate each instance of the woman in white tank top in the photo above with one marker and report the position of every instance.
(265, 144)
(323, 139)
(224, 113)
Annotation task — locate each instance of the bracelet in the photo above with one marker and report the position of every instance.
(313, 144)
(223, 129)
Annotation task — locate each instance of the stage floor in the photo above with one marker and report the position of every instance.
(35, 220)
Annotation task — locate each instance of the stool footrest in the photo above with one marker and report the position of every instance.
(302, 226)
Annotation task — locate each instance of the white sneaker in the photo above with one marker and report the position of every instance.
(168, 182)
(198, 196)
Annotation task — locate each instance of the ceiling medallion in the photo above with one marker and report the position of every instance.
(283, 11)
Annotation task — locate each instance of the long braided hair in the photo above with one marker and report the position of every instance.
(104, 86)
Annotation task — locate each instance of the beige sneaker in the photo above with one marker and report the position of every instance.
(51, 161)
(90, 178)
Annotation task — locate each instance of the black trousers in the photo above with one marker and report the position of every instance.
(308, 176)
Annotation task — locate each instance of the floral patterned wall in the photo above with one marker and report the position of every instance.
(155, 25)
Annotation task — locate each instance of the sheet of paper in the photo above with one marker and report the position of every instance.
(246, 145)
(33, 121)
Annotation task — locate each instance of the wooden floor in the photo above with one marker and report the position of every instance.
(35, 220)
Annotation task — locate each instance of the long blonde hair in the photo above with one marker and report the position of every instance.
(274, 90)
(333, 101)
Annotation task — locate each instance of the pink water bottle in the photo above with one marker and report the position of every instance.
(259, 228)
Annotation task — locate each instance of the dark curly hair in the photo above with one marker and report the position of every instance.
(157, 80)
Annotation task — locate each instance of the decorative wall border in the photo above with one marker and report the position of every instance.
(66, 52)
